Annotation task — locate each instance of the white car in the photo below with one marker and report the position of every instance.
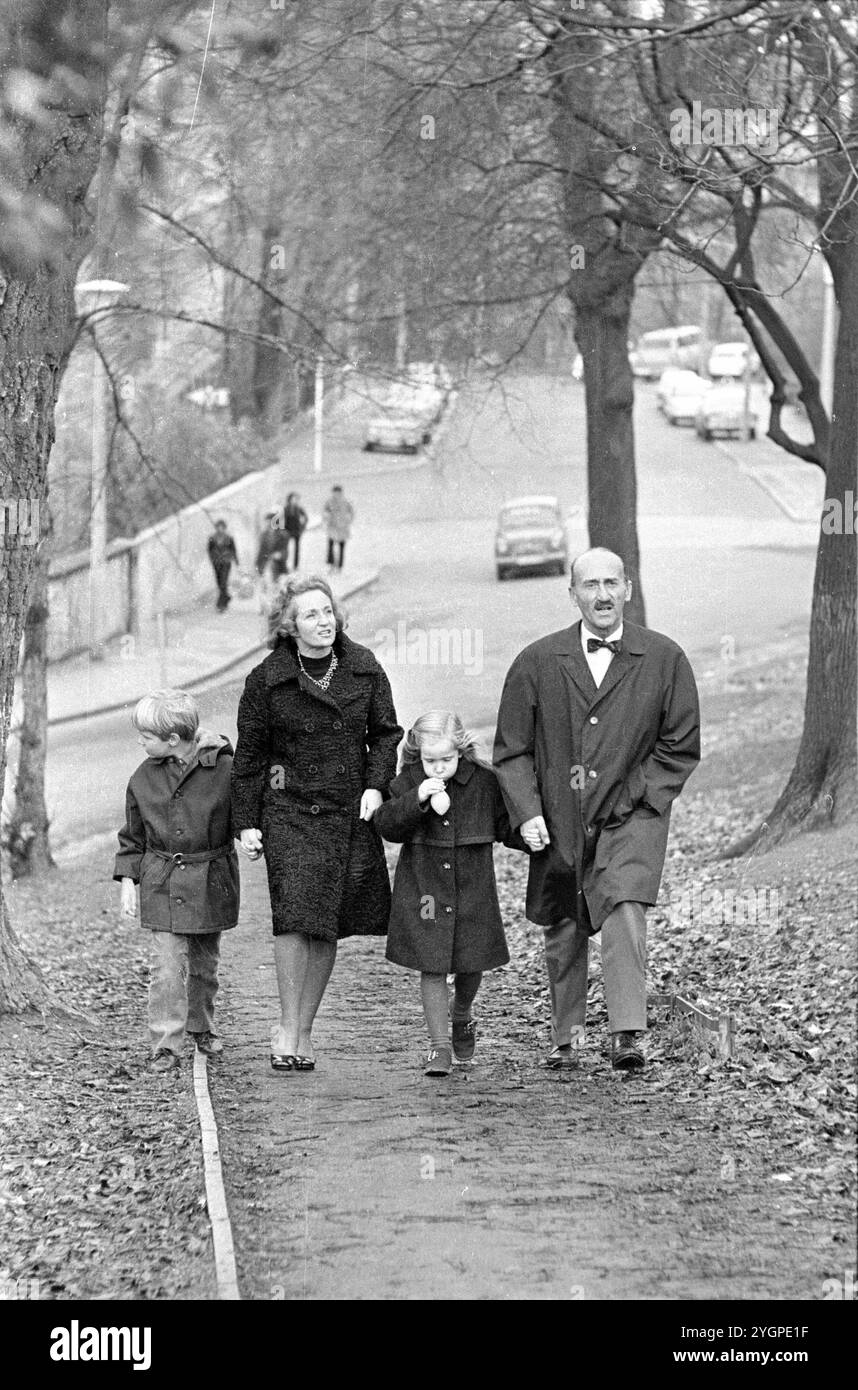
(729, 360)
(678, 395)
(723, 411)
(401, 431)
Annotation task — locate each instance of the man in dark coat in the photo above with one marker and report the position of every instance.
(223, 555)
(598, 730)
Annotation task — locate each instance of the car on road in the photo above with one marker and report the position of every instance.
(678, 395)
(729, 360)
(531, 535)
(725, 410)
(667, 347)
(402, 431)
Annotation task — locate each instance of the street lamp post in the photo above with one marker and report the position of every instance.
(829, 333)
(92, 296)
(318, 414)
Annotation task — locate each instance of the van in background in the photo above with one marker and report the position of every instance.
(667, 347)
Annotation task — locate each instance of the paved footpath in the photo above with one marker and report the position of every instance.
(365, 1180)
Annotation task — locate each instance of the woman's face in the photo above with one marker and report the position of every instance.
(439, 757)
(315, 623)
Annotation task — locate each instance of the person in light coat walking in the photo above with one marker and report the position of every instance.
(339, 514)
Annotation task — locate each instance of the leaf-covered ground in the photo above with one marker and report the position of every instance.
(101, 1186)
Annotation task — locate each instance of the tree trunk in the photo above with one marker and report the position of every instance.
(822, 785)
(602, 335)
(37, 321)
(26, 832)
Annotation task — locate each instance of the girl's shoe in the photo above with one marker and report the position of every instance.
(164, 1061)
(282, 1061)
(209, 1043)
(439, 1062)
(464, 1039)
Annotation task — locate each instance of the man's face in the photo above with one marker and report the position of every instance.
(601, 591)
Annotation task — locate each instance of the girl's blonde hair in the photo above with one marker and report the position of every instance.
(281, 619)
(166, 712)
(441, 723)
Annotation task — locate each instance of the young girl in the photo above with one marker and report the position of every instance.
(446, 809)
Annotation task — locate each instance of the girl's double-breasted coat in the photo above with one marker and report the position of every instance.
(445, 915)
(303, 760)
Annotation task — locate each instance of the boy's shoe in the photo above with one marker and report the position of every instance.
(209, 1043)
(439, 1062)
(164, 1061)
(464, 1039)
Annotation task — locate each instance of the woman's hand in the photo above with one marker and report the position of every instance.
(251, 843)
(128, 898)
(369, 803)
(430, 787)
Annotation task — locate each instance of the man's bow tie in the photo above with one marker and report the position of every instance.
(594, 643)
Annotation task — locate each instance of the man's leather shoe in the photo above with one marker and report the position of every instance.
(626, 1053)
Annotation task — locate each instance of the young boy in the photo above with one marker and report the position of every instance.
(177, 844)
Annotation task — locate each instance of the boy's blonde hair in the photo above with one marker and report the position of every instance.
(166, 712)
(441, 723)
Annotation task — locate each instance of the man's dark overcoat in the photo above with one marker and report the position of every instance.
(601, 764)
(303, 760)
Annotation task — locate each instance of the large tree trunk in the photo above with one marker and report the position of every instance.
(602, 336)
(822, 786)
(604, 258)
(26, 832)
(37, 317)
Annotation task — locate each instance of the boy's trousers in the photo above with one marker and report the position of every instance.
(623, 973)
(182, 987)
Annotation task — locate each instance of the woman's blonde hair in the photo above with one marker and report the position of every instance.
(165, 712)
(441, 723)
(281, 619)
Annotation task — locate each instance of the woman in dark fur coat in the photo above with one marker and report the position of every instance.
(317, 740)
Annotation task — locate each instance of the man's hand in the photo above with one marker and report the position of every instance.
(251, 843)
(369, 803)
(535, 834)
(128, 897)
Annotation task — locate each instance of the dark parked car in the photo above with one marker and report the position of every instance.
(531, 535)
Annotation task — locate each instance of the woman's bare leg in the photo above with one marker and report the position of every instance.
(319, 967)
(292, 959)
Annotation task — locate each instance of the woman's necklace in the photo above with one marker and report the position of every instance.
(326, 679)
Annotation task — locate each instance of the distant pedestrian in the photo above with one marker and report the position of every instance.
(273, 546)
(177, 844)
(223, 555)
(339, 515)
(447, 810)
(294, 525)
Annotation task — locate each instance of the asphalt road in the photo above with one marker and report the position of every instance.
(723, 570)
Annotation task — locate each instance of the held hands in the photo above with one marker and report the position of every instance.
(128, 897)
(251, 843)
(534, 832)
(369, 803)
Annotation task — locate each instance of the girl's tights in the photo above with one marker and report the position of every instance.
(433, 989)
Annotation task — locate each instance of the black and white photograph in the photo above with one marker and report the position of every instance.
(429, 482)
